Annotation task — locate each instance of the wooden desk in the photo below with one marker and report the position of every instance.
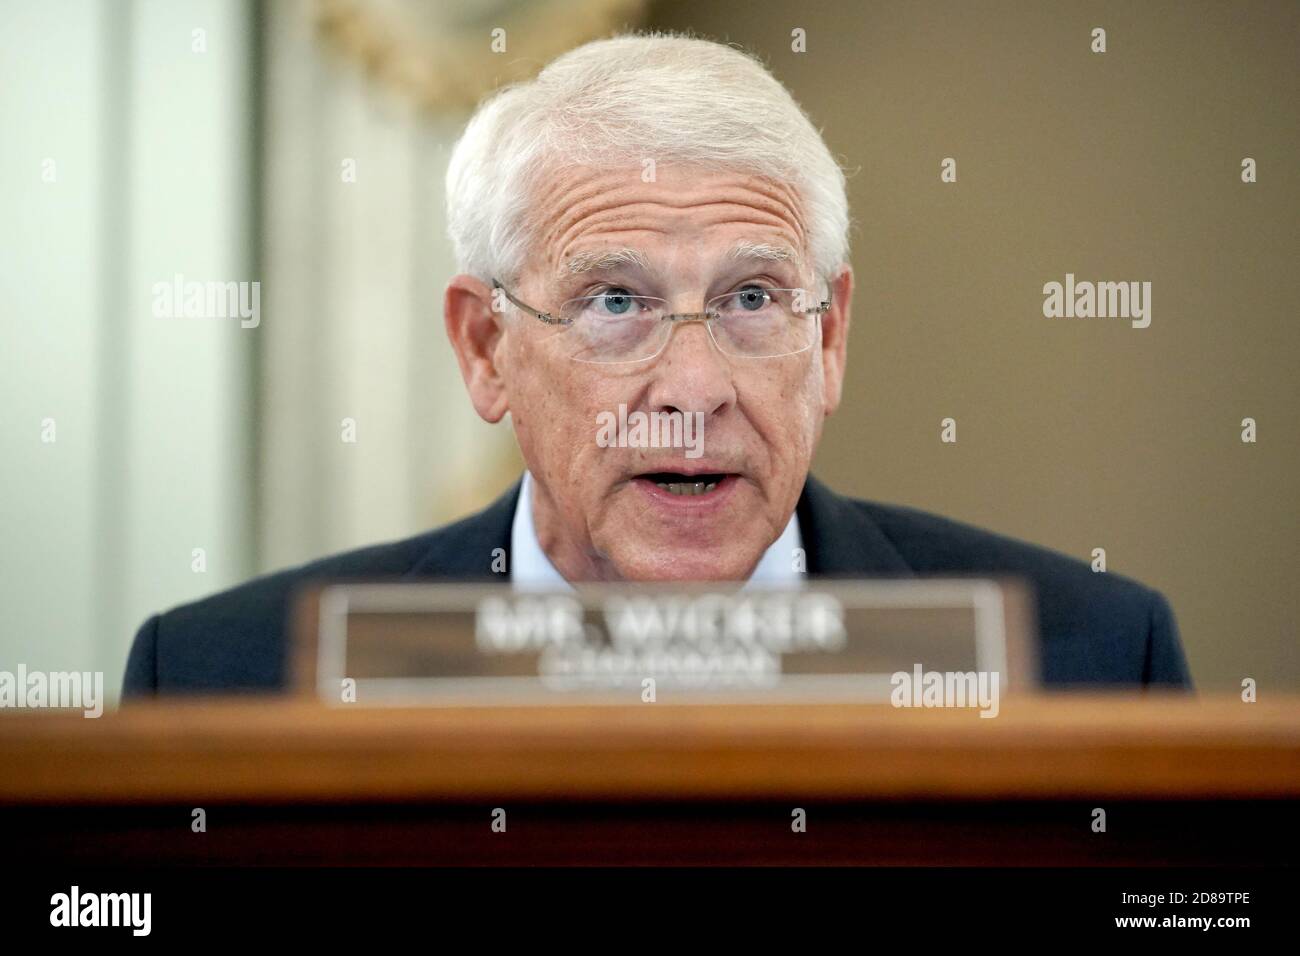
(285, 781)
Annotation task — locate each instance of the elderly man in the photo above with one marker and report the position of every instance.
(652, 233)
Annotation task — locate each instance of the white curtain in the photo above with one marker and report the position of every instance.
(353, 345)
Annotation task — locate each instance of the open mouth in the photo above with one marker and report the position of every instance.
(676, 483)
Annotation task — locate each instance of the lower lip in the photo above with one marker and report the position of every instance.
(689, 504)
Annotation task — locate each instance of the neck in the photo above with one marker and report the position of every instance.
(575, 562)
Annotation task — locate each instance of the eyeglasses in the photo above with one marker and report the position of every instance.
(617, 326)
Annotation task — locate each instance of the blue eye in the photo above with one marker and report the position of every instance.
(617, 301)
(752, 298)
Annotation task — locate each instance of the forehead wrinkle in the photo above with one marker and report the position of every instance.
(743, 250)
(731, 204)
(590, 204)
(610, 223)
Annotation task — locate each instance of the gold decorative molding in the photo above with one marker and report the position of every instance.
(441, 56)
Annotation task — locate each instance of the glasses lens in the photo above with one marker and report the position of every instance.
(615, 326)
(758, 322)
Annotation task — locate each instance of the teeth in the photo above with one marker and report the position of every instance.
(687, 487)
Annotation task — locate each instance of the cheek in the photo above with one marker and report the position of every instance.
(813, 398)
(554, 408)
(791, 409)
(534, 400)
(538, 382)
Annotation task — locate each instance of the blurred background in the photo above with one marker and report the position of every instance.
(302, 144)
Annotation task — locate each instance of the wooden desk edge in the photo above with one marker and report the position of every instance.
(293, 750)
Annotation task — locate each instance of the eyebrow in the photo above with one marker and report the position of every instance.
(606, 259)
(763, 251)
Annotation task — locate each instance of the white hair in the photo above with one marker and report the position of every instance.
(619, 101)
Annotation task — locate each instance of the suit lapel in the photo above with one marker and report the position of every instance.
(465, 549)
(841, 539)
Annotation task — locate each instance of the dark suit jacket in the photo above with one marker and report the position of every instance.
(1095, 628)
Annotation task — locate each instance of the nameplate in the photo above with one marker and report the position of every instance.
(448, 644)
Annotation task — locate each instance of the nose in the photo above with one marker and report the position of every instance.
(691, 375)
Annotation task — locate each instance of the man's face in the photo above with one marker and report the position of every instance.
(601, 512)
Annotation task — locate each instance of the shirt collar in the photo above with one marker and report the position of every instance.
(532, 569)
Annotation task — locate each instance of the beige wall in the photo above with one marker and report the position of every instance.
(1074, 433)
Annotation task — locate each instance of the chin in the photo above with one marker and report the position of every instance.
(684, 564)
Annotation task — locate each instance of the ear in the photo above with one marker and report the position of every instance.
(835, 337)
(477, 333)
